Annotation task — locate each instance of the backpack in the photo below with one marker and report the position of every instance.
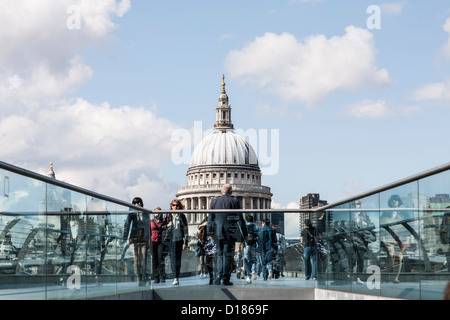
(202, 233)
(252, 236)
(210, 246)
(311, 238)
(166, 234)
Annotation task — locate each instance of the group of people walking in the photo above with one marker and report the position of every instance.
(219, 234)
(230, 233)
(163, 234)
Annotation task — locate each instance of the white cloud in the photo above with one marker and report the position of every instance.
(40, 55)
(16, 135)
(33, 33)
(445, 50)
(118, 151)
(354, 187)
(96, 15)
(309, 70)
(263, 109)
(393, 8)
(368, 109)
(113, 151)
(371, 109)
(291, 220)
(21, 93)
(437, 91)
(226, 36)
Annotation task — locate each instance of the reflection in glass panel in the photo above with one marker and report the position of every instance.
(119, 249)
(126, 249)
(65, 255)
(400, 240)
(98, 237)
(364, 221)
(323, 256)
(22, 233)
(435, 230)
(339, 247)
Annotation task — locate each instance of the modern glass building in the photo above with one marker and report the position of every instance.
(59, 241)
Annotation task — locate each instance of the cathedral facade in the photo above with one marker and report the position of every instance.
(224, 157)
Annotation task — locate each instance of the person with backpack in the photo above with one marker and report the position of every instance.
(210, 248)
(250, 248)
(280, 262)
(309, 240)
(200, 251)
(158, 248)
(225, 231)
(137, 232)
(267, 241)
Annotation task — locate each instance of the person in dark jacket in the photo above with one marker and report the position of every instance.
(157, 247)
(308, 238)
(178, 224)
(250, 249)
(137, 232)
(226, 230)
(267, 239)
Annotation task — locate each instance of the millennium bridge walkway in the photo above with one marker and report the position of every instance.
(62, 242)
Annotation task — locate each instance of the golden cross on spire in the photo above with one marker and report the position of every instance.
(223, 83)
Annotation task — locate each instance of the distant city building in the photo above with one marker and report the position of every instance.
(440, 200)
(310, 201)
(223, 157)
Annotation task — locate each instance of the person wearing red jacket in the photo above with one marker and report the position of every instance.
(158, 248)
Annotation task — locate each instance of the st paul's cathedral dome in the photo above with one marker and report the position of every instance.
(224, 157)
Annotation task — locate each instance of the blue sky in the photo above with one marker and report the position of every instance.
(355, 107)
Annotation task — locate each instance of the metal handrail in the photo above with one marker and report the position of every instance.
(59, 183)
(397, 183)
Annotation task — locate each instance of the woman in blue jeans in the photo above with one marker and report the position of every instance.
(267, 241)
(308, 239)
(180, 235)
(250, 248)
